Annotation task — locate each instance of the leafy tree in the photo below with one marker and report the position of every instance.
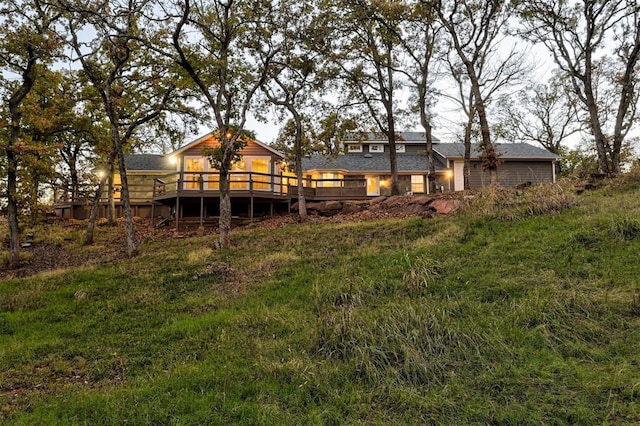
(576, 33)
(224, 48)
(366, 47)
(421, 42)
(132, 84)
(28, 45)
(296, 76)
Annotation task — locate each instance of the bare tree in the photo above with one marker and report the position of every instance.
(476, 29)
(576, 33)
(543, 114)
(366, 47)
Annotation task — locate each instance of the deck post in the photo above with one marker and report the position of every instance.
(177, 213)
(201, 228)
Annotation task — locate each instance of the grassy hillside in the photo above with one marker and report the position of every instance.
(522, 309)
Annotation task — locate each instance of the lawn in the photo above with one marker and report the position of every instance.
(521, 309)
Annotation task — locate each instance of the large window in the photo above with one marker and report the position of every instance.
(195, 165)
(417, 184)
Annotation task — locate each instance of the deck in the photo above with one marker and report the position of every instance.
(188, 195)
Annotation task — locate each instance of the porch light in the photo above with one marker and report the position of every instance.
(173, 160)
(448, 174)
(100, 173)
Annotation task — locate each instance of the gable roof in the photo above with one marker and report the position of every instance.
(379, 137)
(210, 135)
(147, 162)
(508, 151)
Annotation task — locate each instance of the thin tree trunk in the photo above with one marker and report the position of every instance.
(111, 202)
(224, 222)
(12, 204)
(95, 205)
(302, 203)
(126, 202)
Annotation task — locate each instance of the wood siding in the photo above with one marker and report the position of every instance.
(251, 150)
(512, 173)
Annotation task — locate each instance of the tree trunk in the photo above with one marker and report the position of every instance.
(12, 204)
(424, 120)
(95, 205)
(302, 203)
(111, 202)
(224, 222)
(126, 202)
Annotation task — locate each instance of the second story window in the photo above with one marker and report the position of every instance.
(400, 147)
(354, 147)
(376, 148)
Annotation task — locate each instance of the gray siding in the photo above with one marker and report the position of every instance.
(512, 173)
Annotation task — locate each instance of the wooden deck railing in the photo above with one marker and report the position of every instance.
(186, 184)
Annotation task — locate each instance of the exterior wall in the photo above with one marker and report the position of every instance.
(408, 148)
(252, 149)
(512, 173)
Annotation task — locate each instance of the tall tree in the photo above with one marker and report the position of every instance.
(132, 84)
(421, 43)
(296, 76)
(224, 48)
(366, 47)
(28, 45)
(475, 29)
(577, 33)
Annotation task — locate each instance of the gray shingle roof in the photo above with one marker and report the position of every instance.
(137, 162)
(359, 162)
(382, 138)
(369, 163)
(506, 150)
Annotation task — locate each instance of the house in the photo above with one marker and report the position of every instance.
(366, 157)
(185, 186)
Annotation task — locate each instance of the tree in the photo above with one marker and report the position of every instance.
(132, 84)
(28, 45)
(296, 76)
(543, 114)
(475, 29)
(421, 42)
(224, 48)
(576, 33)
(366, 47)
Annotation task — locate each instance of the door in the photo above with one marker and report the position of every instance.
(373, 186)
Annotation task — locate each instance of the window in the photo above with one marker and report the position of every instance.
(376, 148)
(196, 165)
(399, 147)
(354, 147)
(417, 184)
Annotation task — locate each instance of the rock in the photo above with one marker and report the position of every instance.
(423, 200)
(332, 205)
(377, 200)
(444, 206)
(394, 201)
(351, 207)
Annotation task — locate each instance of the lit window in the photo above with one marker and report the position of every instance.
(417, 184)
(399, 147)
(354, 147)
(376, 148)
